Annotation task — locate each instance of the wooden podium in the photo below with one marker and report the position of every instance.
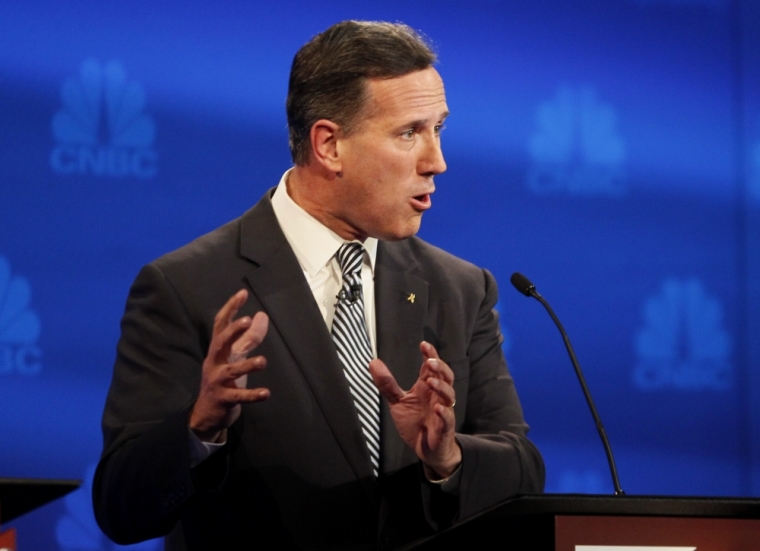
(19, 496)
(569, 522)
(8, 540)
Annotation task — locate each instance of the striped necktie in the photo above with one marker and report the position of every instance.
(349, 331)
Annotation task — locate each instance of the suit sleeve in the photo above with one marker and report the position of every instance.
(498, 460)
(144, 476)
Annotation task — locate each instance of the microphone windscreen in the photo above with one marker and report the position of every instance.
(522, 283)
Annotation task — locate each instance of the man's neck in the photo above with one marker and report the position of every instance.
(314, 192)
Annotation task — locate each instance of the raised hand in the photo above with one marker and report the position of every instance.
(424, 415)
(225, 370)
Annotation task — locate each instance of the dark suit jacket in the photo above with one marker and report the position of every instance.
(295, 472)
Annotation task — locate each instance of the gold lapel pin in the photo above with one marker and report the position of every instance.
(411, 298)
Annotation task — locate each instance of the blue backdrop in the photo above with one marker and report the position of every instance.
(609, 149)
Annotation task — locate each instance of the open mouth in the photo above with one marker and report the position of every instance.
(421, 202)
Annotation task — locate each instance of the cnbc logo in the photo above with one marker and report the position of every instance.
(19, 326)
(683, 345)
(576, 147)
(101, 129)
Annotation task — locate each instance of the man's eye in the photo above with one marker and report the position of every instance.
(408, 134)
(440, 128)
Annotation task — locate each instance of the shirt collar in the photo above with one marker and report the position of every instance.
(313, 243)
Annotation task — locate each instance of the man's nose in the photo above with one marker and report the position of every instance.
(431, 161)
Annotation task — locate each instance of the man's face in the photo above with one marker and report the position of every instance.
(388, 162)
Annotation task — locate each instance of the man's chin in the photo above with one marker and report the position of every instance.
(403, 233)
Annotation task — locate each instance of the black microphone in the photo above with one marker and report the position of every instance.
(524, 285)
(355, 293)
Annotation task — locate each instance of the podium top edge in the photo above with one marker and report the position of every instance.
(74, 483)
(643, 497)
(634, 505)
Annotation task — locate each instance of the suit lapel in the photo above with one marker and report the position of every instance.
(277, 281)
(401, 301)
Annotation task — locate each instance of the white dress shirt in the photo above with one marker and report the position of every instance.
(315, 247)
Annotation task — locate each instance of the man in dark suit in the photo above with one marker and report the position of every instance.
(292, 447)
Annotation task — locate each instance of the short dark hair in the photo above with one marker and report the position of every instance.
(329, 73)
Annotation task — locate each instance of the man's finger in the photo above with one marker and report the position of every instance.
(428, 350)
(228, 311)
(447, 417)
(438, 368)
(245, 395)
(443, 390)
(250, 339)
(238, 369)
(441, 433)
(385, 382)
(222, 342)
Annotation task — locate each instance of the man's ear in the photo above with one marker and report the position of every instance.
(324, 136)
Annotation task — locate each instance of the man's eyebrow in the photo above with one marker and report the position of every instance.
(443, 116)
(422, 122)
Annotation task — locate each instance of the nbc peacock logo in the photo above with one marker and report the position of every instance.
(683, 344)
(19, 325)
(101, 129)
(576, 148)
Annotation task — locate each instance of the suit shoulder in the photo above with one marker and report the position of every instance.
(429, 256)
(210, 269)
(206, 250)
(200, 276)
(256, 230)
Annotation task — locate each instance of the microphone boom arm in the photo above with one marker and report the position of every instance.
(527, 288)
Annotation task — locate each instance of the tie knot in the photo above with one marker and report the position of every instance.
(350, 256)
